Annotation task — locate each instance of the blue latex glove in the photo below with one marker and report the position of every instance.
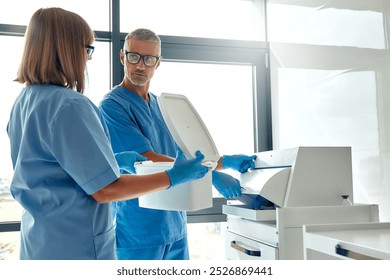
(226, 185)
(240, 163)
(185, 170)
(256, 201)
(127, 159)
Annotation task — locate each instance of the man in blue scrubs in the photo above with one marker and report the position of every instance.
(135, 123)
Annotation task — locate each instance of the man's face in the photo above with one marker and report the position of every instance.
(138, 73)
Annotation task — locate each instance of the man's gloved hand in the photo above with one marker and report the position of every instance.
(226, 185)
(185, 170)
(127, 159)
(240, 163)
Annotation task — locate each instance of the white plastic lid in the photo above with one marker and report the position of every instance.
(187, 127)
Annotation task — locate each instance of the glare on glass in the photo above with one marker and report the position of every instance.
(90, 50)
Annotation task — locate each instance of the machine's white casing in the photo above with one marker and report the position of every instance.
(304, 176)
(190, 134)
(307, 185)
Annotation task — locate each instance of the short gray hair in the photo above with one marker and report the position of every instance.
(144, 34)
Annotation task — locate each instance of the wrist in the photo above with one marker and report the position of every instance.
(225, 162)
(171, 178)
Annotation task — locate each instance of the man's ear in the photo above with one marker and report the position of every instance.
(122, 57)
(158, 64)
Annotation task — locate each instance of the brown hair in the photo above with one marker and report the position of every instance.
(54, 49)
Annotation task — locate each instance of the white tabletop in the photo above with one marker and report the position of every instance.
(368, 240)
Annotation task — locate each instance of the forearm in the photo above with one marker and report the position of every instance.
(129, 186)
(153, 156)
(219, 164)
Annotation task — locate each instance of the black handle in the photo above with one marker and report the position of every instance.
(352, 255)
(248, 252)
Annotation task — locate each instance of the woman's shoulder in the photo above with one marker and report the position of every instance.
(59, 98)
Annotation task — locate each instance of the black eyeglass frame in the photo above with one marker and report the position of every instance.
(140, 56)
(90, 50)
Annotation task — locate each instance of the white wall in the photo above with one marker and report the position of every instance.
(330, 73)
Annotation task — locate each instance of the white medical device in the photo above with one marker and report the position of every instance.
(308, 185)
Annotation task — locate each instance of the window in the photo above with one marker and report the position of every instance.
(328, 24)
(10, 56)
(9, 210)
(94, 12)
(222, 94)
(222, 19)
(98, 69)
(9, 245)
(330, 69)
(206, 240)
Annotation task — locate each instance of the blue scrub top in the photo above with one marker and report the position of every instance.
(137, 126)
(61, 155)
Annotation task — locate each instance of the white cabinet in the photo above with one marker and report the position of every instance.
(278, 234)
(347, 241)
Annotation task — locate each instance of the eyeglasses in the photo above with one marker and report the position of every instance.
(149, 60)
(90, 50)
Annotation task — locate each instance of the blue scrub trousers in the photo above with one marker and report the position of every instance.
(175, 251)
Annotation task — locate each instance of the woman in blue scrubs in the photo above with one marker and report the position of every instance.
(65, 173)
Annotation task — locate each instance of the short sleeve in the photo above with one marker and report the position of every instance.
(125, 131)
(81, 146)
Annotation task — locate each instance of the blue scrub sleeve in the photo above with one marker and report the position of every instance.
(124, 129)
(82, 147)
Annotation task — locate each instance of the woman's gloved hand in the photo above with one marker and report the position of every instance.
(127, 159)
(240, 163)
(185, 170)
(226, 185)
